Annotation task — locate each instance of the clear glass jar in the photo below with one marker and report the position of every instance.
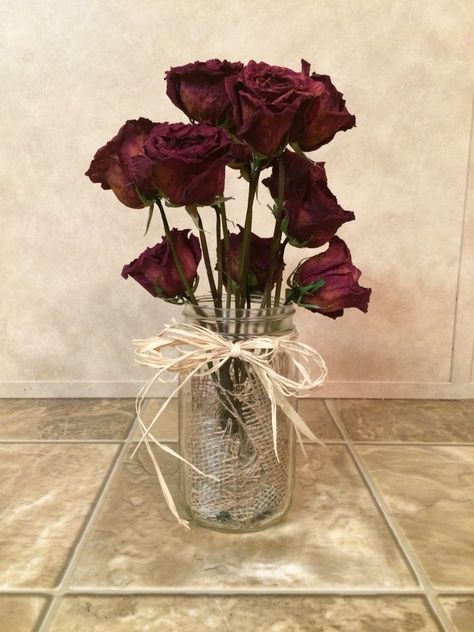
(225, 430)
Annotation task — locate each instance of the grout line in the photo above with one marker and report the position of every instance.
(28, 592)
(88, 525)
(42, 613)
(445, 444)
(455, 591)
(405, 546)
(174, 440)
(61, 441)
(440, 617)
(442, 444)
(250, 590)
(461, 259)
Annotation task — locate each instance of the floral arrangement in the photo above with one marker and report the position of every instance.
(250, 118)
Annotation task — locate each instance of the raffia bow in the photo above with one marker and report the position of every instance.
(185, 349)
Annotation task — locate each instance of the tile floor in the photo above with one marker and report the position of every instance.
(380, 537)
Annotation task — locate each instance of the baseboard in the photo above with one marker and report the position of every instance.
(371, 390)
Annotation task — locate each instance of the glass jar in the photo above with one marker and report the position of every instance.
(225, 429)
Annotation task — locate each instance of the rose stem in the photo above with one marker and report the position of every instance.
(174, 254)
(280, 275)
(228, 270)
(218, 255)
(223, 374)
(207, 261)
(245, 247)
(274, 251)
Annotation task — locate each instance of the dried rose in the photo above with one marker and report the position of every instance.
(265, 100)
(319, 120)
(198, 89)
(327, 283)
(186, 163)
(312, 212)
(259, 260)
(155, 269)
(112, 166)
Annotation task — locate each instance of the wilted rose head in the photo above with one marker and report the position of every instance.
(312, 212)
(155, 270)
(112, 165)
(340, 289)
(185, 162)
(259, 260)
(198, 89)
(265, 100)
(319, 121)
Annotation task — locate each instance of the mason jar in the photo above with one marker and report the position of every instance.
(225, 428)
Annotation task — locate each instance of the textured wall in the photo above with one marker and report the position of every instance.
(72, 72)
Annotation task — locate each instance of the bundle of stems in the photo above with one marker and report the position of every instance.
(224, 289)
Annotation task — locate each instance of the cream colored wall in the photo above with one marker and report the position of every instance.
(73, 71)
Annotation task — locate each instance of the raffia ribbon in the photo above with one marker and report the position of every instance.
(185, 349)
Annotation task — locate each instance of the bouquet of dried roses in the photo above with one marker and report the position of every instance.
(236, 356)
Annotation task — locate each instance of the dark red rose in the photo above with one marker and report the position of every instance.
(340, 276)
(312, 212)
(259, 260)
(319, 120)
(155, 270)
(185, 162)
(198, 89)
(265, 100)
(112, 166)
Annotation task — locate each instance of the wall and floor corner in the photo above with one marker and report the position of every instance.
(74, 72)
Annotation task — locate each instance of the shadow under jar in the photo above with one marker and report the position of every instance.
(225, 429)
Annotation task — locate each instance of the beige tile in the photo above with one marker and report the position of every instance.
(20, 614)
(66, 418)
(313, 411)
(315, 414)
(332, 538)
(460, 610)
(46, 493)
(407, 420)
(166, 428)
(429, 491)
(243, 614)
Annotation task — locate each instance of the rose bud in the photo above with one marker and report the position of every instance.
(312, 212)
(112, 166)
(155, 269)
(264, 101)
(318, 121)
(340, 276)
(259, 260)
(185, 162)
(198, 89)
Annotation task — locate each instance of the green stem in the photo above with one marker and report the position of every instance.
(280, 275)
(174, 254)
(221, 212)
(241, 291)
(266, 299)
(223, 375)
(228, 266)
(219, 256)
(207, 261)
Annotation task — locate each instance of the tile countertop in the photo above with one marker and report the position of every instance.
(380, 537)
